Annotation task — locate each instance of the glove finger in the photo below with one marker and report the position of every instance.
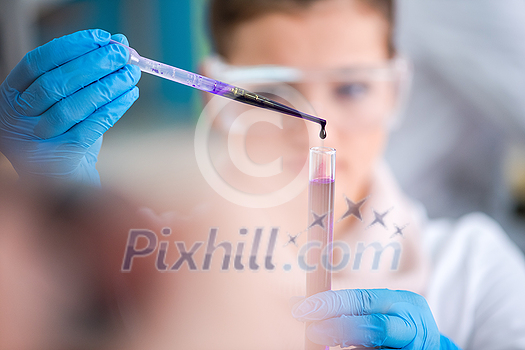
(67, 79)
(121, 38)
(87, 132)
(54, 54)
(355, 302)
(447, 344)
(87, 172)
(77, 107)
(93, 151)
(369, 331)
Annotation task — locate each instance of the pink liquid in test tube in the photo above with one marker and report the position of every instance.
(320, 224)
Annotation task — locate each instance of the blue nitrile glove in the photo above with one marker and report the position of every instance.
(371, 318)
(56, 104)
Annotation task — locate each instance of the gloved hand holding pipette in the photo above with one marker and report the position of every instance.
(371, 318)
(56, 104)
(63, 96)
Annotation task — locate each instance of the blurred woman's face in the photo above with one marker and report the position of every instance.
(329, 36)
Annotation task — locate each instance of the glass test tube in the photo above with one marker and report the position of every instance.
(320, 224)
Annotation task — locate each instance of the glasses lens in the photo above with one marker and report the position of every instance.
(356, 97)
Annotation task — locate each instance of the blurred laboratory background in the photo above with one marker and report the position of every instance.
(461, 144)
(166, 30)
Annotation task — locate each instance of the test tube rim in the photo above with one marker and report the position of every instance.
(323, 150)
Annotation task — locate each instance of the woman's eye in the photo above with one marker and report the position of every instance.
(352, 90)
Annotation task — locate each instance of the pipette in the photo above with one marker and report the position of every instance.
(216, 87)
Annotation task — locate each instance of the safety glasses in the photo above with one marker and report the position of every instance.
(357, 97)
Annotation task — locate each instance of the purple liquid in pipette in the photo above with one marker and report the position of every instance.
(216, 87)
(244, 96)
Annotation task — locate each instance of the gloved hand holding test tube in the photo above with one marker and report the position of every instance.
(216, 87)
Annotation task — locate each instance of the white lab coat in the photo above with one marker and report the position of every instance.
(477, 286)
(475, 275)
(475, 279)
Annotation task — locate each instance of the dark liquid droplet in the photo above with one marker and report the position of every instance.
(322, 134)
